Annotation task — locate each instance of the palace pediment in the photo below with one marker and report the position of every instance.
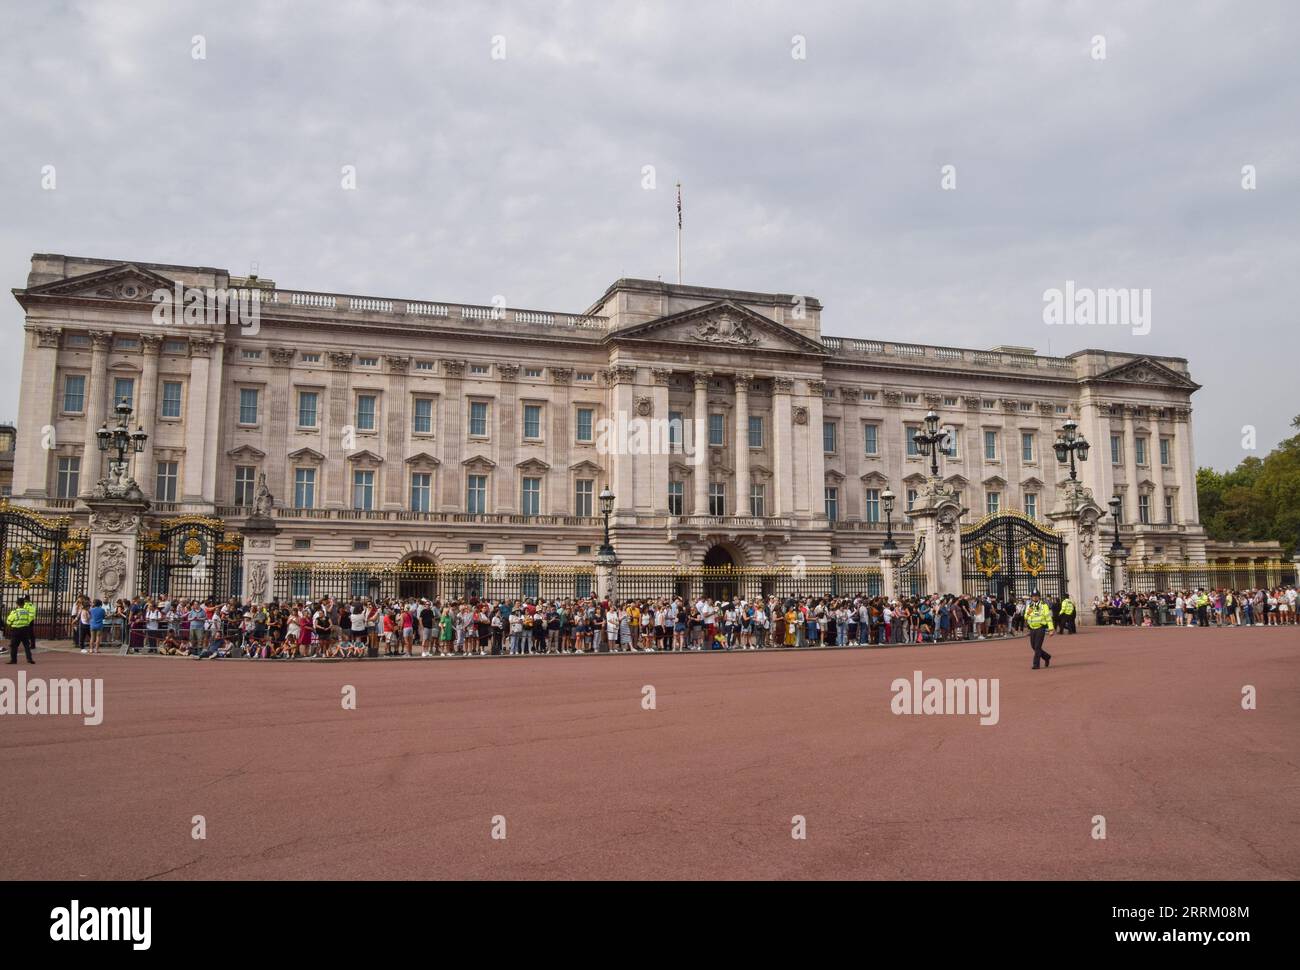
(723, 325)
(1144, 370)
(124, 282)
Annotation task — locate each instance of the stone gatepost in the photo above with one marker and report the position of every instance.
(1075, 518)
(934, 516)
(607, 577)
(1119, 569)
(114, 546)
(259, 559)
(889, 560)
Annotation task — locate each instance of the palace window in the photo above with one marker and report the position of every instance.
(68, 482)
(124, 390)
(307, 401)
(758, 501)
(366, 412)
(363, 489)
(832, 499)
(871, 438)
(476, 494)
(244, 485)
(828, 437)
(1116, 449)
(532, 372)
(1169, 509)
(717, 431)
(871, 510)
(424, 365)
(585, 424)
(247, 354)
(422, 416)
(478, 412)
(992, 502)
(1140, 450)
(676, 493)
(1031, 505)
(247, 405)
(530, 501)
(990, 446)
(165, 490)
(171, 399)
(421, 490)
(368, 361)
(311, 358)
(585, 376)
(532, 421)
(479, 369)
(1164, 452)
(717, 499)
(1026, 446)
(74, 393)
(911, 498)
(909, 430)
(304, 488)
(583, 489)
(675, 431)
(756, 431)
(1144, 509)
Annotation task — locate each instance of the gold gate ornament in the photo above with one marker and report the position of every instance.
(988, 557)
(27, 567)
(1033, 558)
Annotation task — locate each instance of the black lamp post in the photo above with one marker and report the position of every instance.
(606, 507)
(1068, 444)
(122, 440)
(932, 442)
(1116, 505)
(887, 500)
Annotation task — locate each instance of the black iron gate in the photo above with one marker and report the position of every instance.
(189, 558)
(1009, 555)
(44, 560)
(911, 571)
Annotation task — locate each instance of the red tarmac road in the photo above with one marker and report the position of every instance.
(1145, 727)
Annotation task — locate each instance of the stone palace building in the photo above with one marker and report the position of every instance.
(728, 426)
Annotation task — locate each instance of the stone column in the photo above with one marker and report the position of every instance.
(395, 491)
(336, 487)
(40, 405)
(660, 454)
(114, 546)
(146, 413)
(283, 417)
(559, 443)
(621, 381)
(259, 534)
(196, 419)
(816, 463)
(1184, 466)
(741, 505)
(454, 432)
(700, 415)
(210, 457)
(607, 577)
(889, 560)
(96, 391)
(1119, 570)
(782, 445)
(509, 435)
(1130, 468)
(1158, 470)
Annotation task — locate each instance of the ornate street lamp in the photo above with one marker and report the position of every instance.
(1068, 444)
(932, 442)
(887, 501)
(1116, 506)
(606, 507)
(125, 442)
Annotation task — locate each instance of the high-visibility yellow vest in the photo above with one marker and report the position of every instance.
(1039, 614)
(1067, 607)
(21, 616)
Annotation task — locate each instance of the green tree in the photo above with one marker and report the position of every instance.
(1257, 500)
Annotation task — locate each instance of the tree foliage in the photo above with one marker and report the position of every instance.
(1257, 500)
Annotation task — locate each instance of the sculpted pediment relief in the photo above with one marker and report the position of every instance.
(124, 282)
(721, 324)
(1144, 370)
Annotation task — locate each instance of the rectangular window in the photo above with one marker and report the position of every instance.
(476, 495)
(954, 436)
(365, 412)
(124, 390)
(424, 365)
(69, 477)
(909, 398)
(165, 486)
(832, 496)
(532, 372)
(368, 361)
(1144, 509)
(992, 502)
(302, 543)
(247, 405)
(1164, 452)
(676, 491)
(244, 485)
(307, 402)
(990, 446)
(585, 424)
(675, 431)
(717, 431)
(1140, 450)
(1169, 509)
(871, 511)
(363, 490)
(911, 498)
(311, 358)
(175, 346)
(717, 499)
(1026, 446)
(758, 501)
(908, 431)
(530, 499)
(478, 369)
(422, 416)
(304, 488)
(950, 402)
(583, 490)
(250, 354)
(532, 420)
(74, 393)
(171, 399)
(585, 376)
(478, 419)
(1116, 450)
(1031, 505)
(828, 437)
(871, 439)
(421, 489)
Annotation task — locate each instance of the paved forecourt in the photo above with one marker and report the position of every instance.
(1144, 727)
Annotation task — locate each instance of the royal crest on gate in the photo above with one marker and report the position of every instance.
(27, 567)
(988, 557)
(1033, 558)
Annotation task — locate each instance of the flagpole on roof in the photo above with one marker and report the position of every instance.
(679, 233)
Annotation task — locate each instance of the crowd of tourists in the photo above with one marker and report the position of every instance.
(415, 626)
(1199, 607)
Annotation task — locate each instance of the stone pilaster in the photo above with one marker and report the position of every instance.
(196, 419)
(40, 406)
(396, 433)
(700, 413)
(782, 445)
(96, 392)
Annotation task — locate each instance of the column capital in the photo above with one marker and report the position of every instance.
(397, 364)
(743, 381)
(701, 379)
(508, 372)
(620, 374)
(453, 368)
(817, 387)
(201, 346)
(663, 376)
(340, 359)
(47, 337)
(782, 384)
(101, 339)
(151, 343)
(564, 375)
(282, 356)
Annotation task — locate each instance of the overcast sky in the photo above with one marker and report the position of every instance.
(523, 175)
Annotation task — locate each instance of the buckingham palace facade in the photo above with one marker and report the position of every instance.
(391, 429)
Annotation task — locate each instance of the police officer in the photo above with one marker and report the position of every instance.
(1202, 608)
(1067, 615)
(1038, 617)
(21, 622)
